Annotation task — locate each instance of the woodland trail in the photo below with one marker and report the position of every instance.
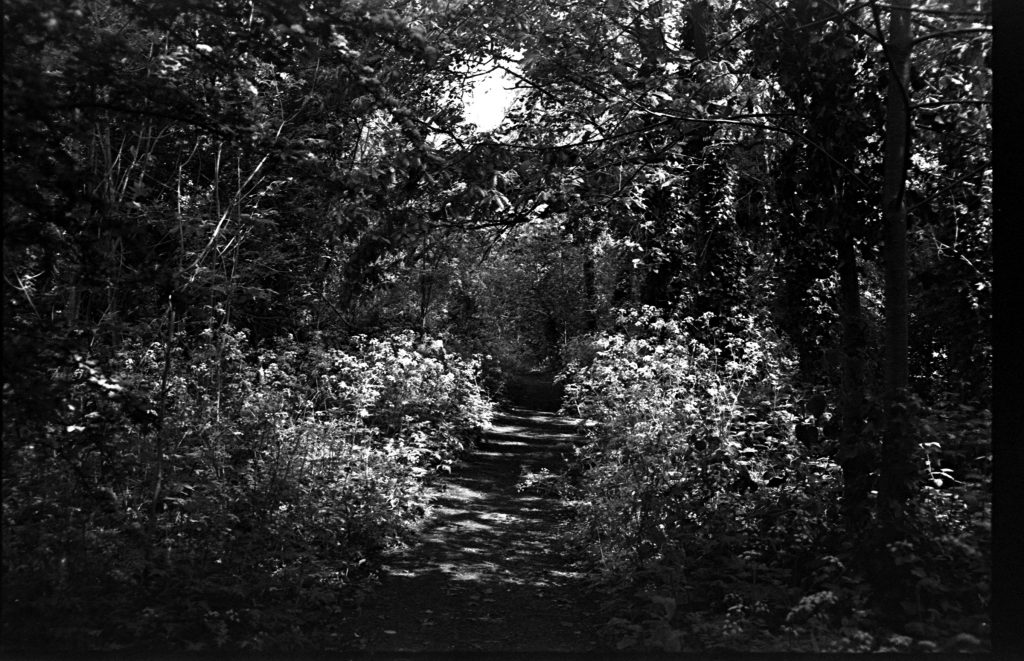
(487, 572)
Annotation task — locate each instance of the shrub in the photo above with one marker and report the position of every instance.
(707, 516)
(213, 494)
(683, 429)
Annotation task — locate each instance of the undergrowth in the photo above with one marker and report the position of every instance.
(213, 494)
(712, 526)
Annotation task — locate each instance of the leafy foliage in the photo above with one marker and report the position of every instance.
(277, 477)
(235, 238)
(701, 492)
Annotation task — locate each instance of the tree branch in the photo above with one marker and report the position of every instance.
(950, 33)
(938, 12)
(954, 102)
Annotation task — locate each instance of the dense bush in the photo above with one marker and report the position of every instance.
(216, 494)
(705, 510)
(672, 417)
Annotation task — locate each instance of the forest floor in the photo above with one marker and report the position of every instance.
(487, 571)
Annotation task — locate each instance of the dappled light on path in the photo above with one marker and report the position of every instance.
(487, 571)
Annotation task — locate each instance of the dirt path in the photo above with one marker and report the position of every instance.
(488, 572)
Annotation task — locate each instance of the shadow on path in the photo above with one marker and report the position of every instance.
(487, 572)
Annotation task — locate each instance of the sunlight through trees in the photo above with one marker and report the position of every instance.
(271, 267)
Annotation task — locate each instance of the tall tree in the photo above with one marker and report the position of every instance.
(898, 137)
(897, 458)
(898, 467)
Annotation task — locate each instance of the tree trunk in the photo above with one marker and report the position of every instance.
(894, 211)
(897, 477)
(855, 453)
